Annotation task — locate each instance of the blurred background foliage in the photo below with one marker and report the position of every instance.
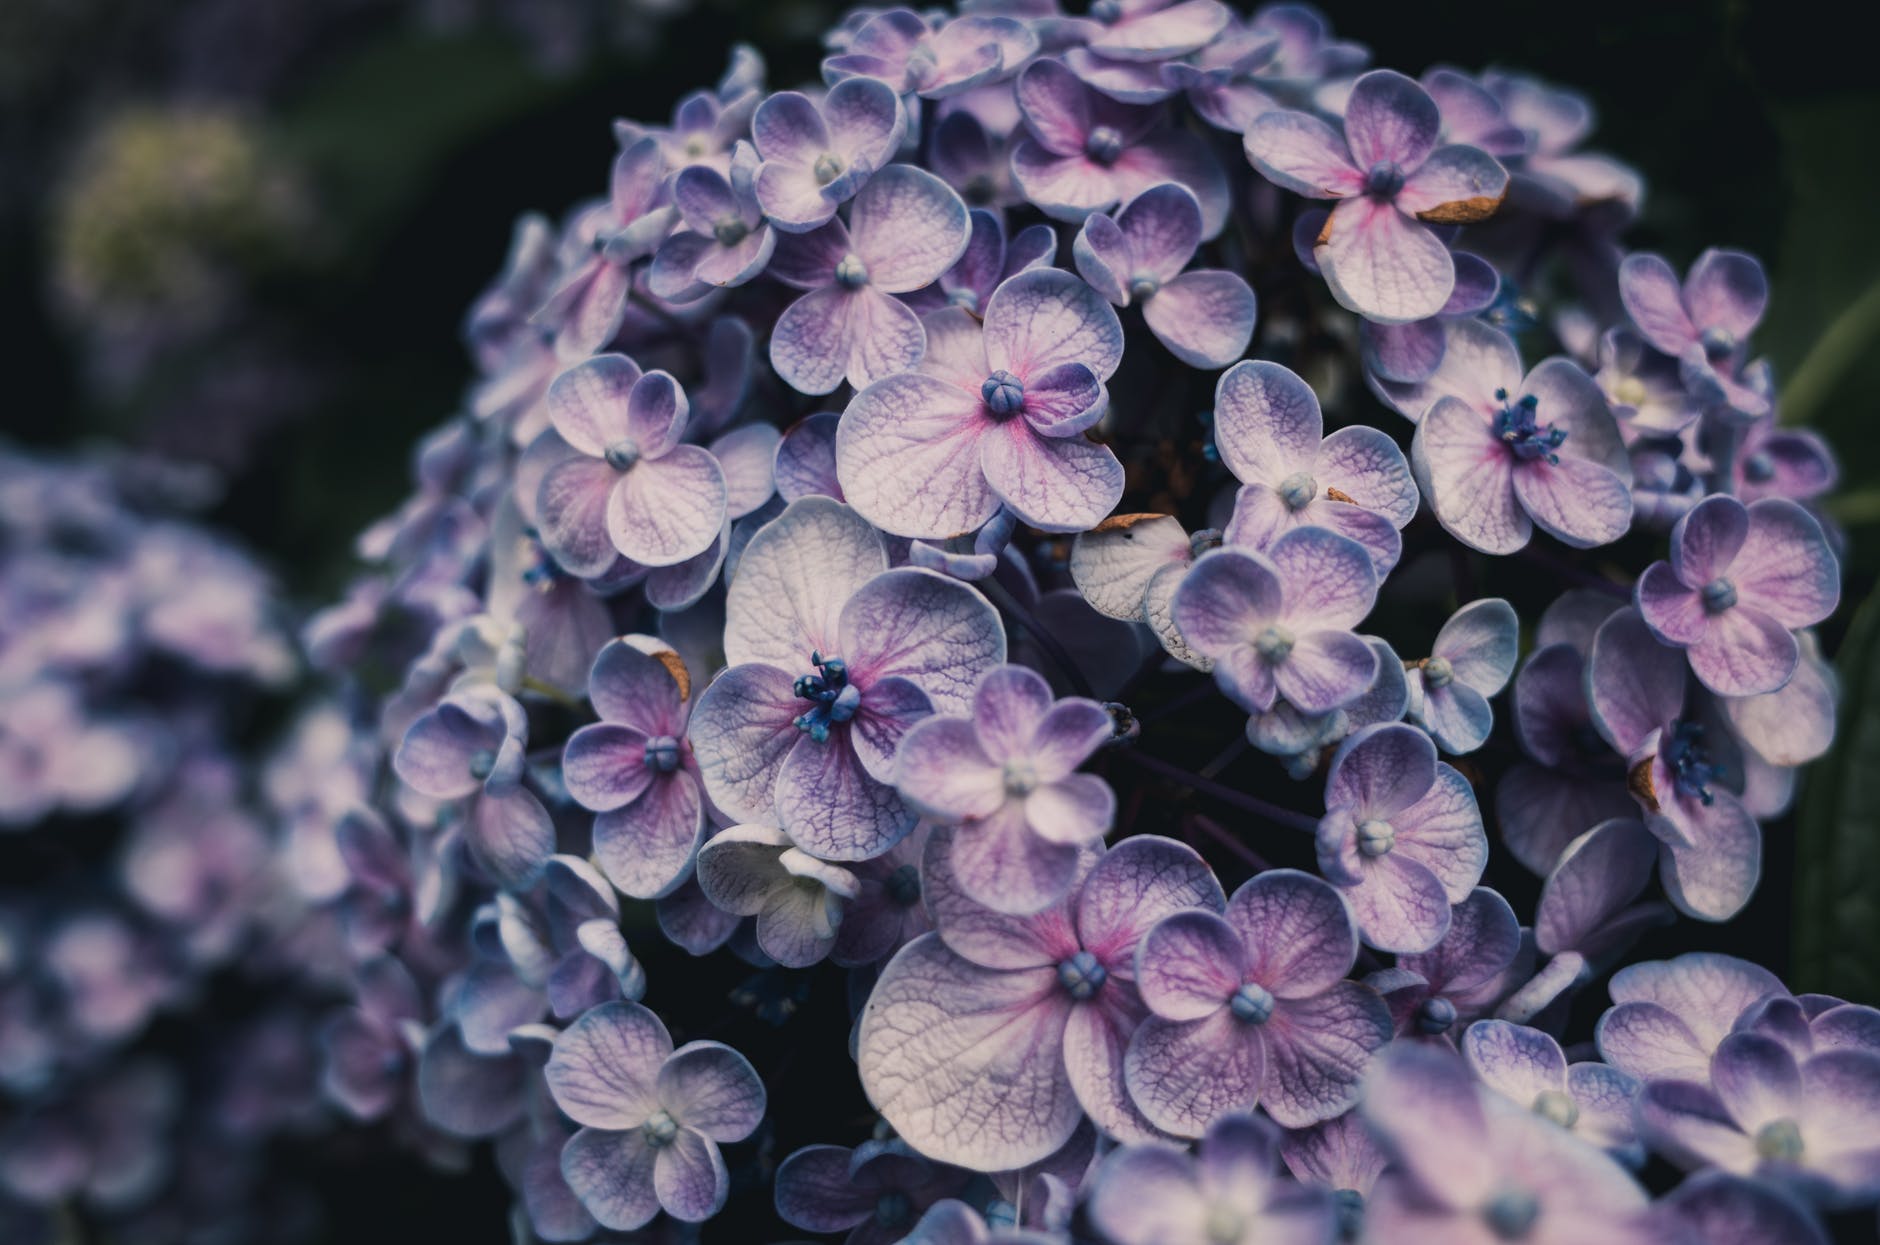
(245, 233)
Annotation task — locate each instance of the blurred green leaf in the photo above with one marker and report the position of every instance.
(1837, 868)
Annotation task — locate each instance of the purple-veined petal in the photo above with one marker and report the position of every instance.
(606, 1064)
(1205, 318)
(1064, 484)
(1382, 264)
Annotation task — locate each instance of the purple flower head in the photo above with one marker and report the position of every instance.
(833, 656)
(1526, 1066)
(1252, 1008)
(1721, 1209)
(986, 1042)
(652, 1118)
(1740, 581)
(1204, 317)
(1763, 1109)
(1470, 1165)
(994, 416)
(1678, 767)
(1376, 251)
(797, 899)
(372, 1047)
(815, 157)
(1497, 454)
(471, 747)
(1083, 152)
(53, 755)
(1268, 431)
(1471, 660)
(972, 158)
(1341, 1157)
(1301, 738)
(1434, 994)
(588, 306)
(706, 124)
(626, 486)
(1554, 179)
(1402, 837)
(988, 261)
(1705, 323)
(1220, 80)
(635, 768)
(564, 941)
(1643, 387)
(1005, 775)
(1669, 1016)
(905, 229)
(1279, 623)
(1231, 1192)
(1773, 461)
(875, 1192)
(726, 241)
(1574, 780)
(899, 47)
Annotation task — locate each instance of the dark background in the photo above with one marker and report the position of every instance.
(382, 150)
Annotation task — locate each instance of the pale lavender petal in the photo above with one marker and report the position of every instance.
(646, 848)
(907, 456)
(928, 628)
(1456, 185)
(908, 227)
(741, 733)
(1384, 265)
(1046, 316)
(966, 1063)
(1302, 154)
(612, 1175)
(1267, 423)
(833, 807)
(1063, 484)
(709, 1087)
(1467, 478)
(1205, 318)
(665, 510)
(690, 1178)
(606, 1064)
(943, 771)
(1185, 1075)
(797, 573)
(1317, 1051)
(1189, 965)
(1297, 932)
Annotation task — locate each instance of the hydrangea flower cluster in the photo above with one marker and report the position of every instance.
(150, 859)
(885, 532)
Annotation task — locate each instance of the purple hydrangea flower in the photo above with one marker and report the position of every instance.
(816, 157)
(988, 261)
(635, 767)
(586, 309)
(1704, 323)
(1402, 837)
(805, 465)
(1721, 1209)
(1740, 581)
(1005, 775)
(1774, 461)
(1803, 1120)
(986, 1042)
(561, 942)
(1376, 252)
(1483, 955)
(899, 47)
(1669, 1016)
(1471, 660)
(1278, 624)
(1269, 432)
(1252, 1008)
(833, 656)
(472, 746)
(1472, 1165)
(1647, 396)
(1554, 178)
(1230, 1193)
(1527, 1067)
(652, 1118)
(797, 899)
(726, 240)
(1574, 780)
(994, 416)
(1677, 769)
(1084, 152)
(874, 1192)
(626, 486)
(1497, 454)
(905, 229)
(1204, 317)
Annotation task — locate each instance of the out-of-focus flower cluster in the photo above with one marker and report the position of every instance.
(142, 872)
(828, 564)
